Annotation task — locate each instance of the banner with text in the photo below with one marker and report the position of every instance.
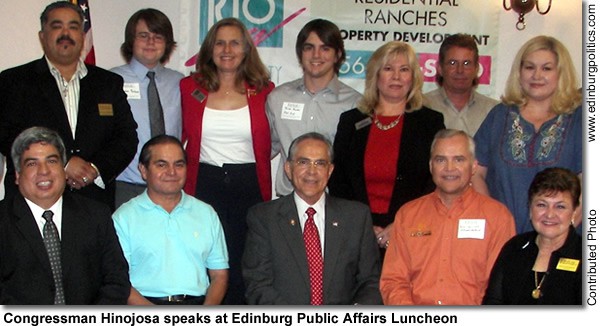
(365, 25)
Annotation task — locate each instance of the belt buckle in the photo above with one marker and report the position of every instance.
(176, 298)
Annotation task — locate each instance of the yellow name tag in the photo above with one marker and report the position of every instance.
(567, 264)
(105, 109)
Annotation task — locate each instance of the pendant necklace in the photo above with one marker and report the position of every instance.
(537, 293)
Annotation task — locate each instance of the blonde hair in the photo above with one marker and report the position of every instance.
(566, 97)
(380, 57)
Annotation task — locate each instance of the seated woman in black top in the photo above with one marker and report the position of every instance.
(542, 266)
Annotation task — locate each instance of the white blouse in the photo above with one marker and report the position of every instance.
(226, 137)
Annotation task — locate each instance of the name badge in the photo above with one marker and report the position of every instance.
(567, 264)
(471, 229)
(105, 109)
(292, 111)
(198, 95)
(132, 90)
(363, 123)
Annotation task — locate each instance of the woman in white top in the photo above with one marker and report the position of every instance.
(227, 134)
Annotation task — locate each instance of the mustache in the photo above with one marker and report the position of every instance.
(65, 38)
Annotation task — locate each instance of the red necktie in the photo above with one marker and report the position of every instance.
(312, 243)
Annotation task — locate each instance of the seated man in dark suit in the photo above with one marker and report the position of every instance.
(309, 247)
(56, 247)
(85, 104)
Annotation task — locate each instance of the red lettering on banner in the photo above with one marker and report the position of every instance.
(258, 36)
(428, 63)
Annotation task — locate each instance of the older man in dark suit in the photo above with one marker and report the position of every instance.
(85, 104)
(56, 248)
(308, 247)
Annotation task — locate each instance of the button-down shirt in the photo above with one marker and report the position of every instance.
(136, 87)
(69, 91)
(443, 256)
(293, 111)
(468, 118)
(319, 216)
(37, 212)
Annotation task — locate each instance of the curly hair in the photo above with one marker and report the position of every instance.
(553, 180)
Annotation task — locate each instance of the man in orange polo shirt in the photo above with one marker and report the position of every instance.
(444, 244)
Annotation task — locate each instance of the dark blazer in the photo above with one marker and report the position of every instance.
(413, 178)
(94, 268)
(106, 131)
(275, 266)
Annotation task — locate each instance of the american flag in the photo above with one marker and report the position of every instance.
(87, 54)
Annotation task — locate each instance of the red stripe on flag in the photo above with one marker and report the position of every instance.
(88, 50)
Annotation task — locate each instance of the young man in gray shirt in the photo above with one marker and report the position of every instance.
(314, 102)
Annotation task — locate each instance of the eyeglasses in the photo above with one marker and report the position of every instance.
(467, 64)
(305, 163)
(146, 37)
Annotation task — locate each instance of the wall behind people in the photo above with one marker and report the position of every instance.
(108, 22)
(110, 16)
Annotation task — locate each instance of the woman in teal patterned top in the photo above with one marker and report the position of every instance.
(537, 125)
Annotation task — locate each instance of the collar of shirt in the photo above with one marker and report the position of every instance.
(319, 217)
(147, 202)
(459, 205)
(140, 70)
(69, 91)
(333, 87)
(448, 102)
(79, 73)
(37, 212)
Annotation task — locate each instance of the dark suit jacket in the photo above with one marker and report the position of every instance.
(413, 178)
(94, 268)
(275, 266)
(106, 131)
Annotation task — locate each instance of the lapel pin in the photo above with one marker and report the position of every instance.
(335, 223)
(198, 95)
(292, 222)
